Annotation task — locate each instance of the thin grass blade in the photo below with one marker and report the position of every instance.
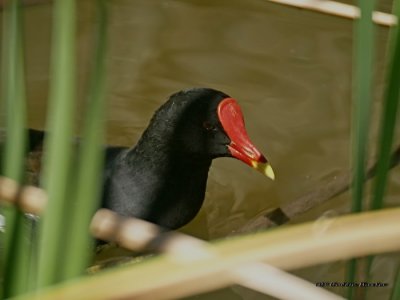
(396, 287)
(362, 82)
(58, 142)
(389, 115)
(15, 255)
(91, 160)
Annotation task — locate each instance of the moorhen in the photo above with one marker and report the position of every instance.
(163, 178)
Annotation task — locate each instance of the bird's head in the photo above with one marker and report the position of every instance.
(206, 123)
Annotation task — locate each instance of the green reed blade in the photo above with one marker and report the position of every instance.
(389, 114)
(392, 97)
(58, 142)
(363, 69)
(395, 295)
(89, 176)
(362, 82)
(15, 255)
(396, 287)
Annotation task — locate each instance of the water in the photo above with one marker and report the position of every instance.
(289, 69)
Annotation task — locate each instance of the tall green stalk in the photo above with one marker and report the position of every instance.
(392, 98)
(58, 142)
(396, 287)
(15, 255)
(362, 82)
(91, 159)
(388, 119)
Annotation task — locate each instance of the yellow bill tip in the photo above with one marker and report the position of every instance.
(264, 168)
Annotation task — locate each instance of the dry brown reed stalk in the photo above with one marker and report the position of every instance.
(30, 199)
(287, 248)
(138, 235)
(338, 9)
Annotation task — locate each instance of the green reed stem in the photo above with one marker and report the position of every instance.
(392, 98)
(15, 255)
(396, 287)
(389, 114)
(362, 82)
(91, 156)
(362, 95)
(58, 142)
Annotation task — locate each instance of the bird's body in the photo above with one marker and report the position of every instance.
(171, 202)
(163, 178)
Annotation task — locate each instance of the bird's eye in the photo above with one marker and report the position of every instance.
(208, 126)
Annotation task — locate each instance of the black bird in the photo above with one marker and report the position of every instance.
(163, 178)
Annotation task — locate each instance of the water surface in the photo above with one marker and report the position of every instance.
(289, 69)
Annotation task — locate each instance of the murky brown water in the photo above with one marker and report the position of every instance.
(290, 70)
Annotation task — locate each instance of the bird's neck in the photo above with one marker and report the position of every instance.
(167, 158)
